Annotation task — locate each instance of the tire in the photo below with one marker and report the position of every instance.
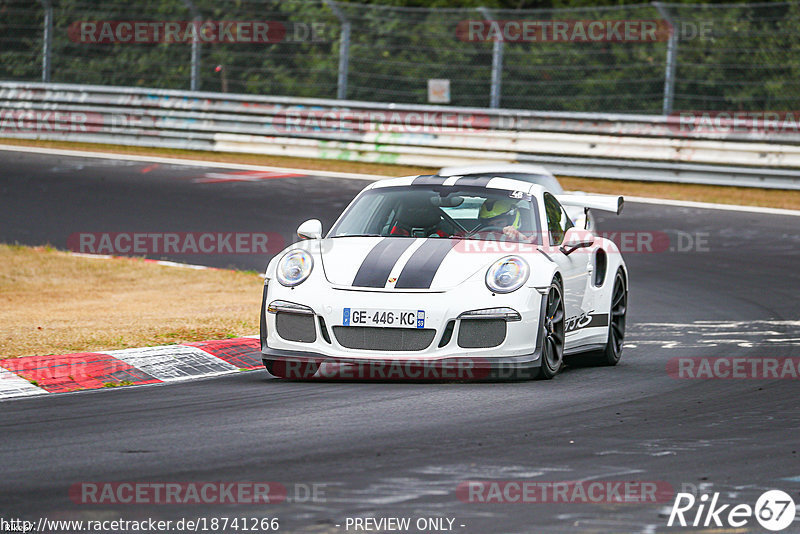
(553, 332)
(617, 312)
(291, 370)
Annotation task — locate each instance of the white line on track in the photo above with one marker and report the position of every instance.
(188, 162)
(356, 176)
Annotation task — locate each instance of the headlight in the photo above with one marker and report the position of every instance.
(507, 274)
(294, 267)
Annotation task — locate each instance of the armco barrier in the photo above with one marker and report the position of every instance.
(640, 147)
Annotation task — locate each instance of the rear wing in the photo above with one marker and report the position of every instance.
(595, 202)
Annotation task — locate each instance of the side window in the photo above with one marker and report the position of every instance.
(558, 222)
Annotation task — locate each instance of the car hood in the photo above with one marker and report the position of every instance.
(405, 263)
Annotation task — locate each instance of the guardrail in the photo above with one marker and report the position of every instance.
(642, 147)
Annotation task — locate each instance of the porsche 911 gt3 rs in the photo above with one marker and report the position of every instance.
(422, 272)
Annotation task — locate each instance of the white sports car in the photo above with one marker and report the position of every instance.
(445, 277)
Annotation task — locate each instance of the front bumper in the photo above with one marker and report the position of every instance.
(519, 354)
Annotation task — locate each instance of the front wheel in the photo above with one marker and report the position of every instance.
(553, 332)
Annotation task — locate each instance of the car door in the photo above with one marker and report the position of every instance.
(573, 266)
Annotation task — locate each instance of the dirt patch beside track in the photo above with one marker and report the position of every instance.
(55, 302)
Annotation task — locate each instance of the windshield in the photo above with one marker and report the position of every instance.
(441, 212)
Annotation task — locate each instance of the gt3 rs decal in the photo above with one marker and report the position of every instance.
(377, 266)
(421, 267)
(585, 320)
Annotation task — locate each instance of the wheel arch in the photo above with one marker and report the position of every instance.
(543, 270)
(624, 270)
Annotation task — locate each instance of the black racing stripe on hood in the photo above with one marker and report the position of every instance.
(375, 268)
(475, 181)
(421, 267)
(429, 179)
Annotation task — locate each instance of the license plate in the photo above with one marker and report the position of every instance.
(383, 318)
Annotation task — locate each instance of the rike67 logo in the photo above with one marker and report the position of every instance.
(774, 510)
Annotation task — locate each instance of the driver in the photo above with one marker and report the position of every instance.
(502, 214)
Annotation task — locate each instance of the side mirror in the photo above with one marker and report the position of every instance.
(311, 229)
(576, 238)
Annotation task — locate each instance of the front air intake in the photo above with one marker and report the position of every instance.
(388, 339)
(295, 327)
(481, 333)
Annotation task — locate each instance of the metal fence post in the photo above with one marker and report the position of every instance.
(672, 59)
(497, 64)
(344, 50)
(195, 66)
(47, 40)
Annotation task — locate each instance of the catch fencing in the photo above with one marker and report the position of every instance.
(698, 57)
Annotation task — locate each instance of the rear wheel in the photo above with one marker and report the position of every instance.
(553, 332)
(291, 370)
(612, 352)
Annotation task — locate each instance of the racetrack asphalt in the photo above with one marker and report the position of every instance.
(401, 449)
